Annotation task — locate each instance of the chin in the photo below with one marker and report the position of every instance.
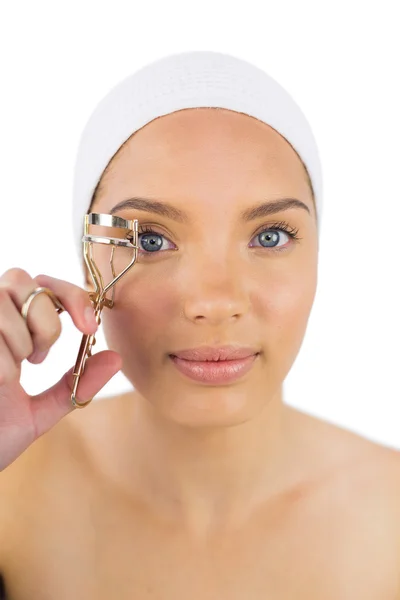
(205, 407)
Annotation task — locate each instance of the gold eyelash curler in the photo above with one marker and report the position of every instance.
(98, 297)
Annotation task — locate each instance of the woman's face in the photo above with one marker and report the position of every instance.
(215, 278)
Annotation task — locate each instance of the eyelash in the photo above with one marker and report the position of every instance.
(278, 226)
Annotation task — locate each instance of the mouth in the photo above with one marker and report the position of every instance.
(216, 353)
(216, 372)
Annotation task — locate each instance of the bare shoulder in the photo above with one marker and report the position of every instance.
(338, 444)
(354, 473)
(56, 459)
(349, 455)
(50, 487)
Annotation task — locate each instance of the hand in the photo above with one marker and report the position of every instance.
(24, 418)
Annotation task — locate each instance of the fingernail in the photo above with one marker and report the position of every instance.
(89, 316)
(37, 357)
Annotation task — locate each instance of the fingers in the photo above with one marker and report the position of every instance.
(54, 403)
(75, 300)
(43, 324)
(16, 342)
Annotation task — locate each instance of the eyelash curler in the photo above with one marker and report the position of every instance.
(98, 297)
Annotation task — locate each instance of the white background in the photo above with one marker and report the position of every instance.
(340, 62)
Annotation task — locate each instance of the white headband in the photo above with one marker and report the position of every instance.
(186, 80)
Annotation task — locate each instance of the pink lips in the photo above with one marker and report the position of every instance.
(214, 371)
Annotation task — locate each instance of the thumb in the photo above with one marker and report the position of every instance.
(50, 406)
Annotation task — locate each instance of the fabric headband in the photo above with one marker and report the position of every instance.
(192, 79)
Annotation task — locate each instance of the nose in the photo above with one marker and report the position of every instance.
(216, 294)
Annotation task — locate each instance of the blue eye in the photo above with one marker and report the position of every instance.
(149, 240)
(269, 236)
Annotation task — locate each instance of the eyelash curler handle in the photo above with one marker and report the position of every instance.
(85, 351)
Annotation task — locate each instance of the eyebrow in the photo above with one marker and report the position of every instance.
(171, 212)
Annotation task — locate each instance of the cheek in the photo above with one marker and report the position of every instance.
(144, 307)
(150, 296)
(285, 304)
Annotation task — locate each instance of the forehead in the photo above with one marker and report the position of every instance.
(209, 122)
(199, 146)
(208, 131)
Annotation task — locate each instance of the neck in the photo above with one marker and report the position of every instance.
(205, 478)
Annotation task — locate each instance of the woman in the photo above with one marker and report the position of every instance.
(201, 482)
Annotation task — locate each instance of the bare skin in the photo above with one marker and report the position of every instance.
(186, 490)
(72, 530)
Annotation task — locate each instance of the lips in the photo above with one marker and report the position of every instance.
(217, 372)
(215, 353)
